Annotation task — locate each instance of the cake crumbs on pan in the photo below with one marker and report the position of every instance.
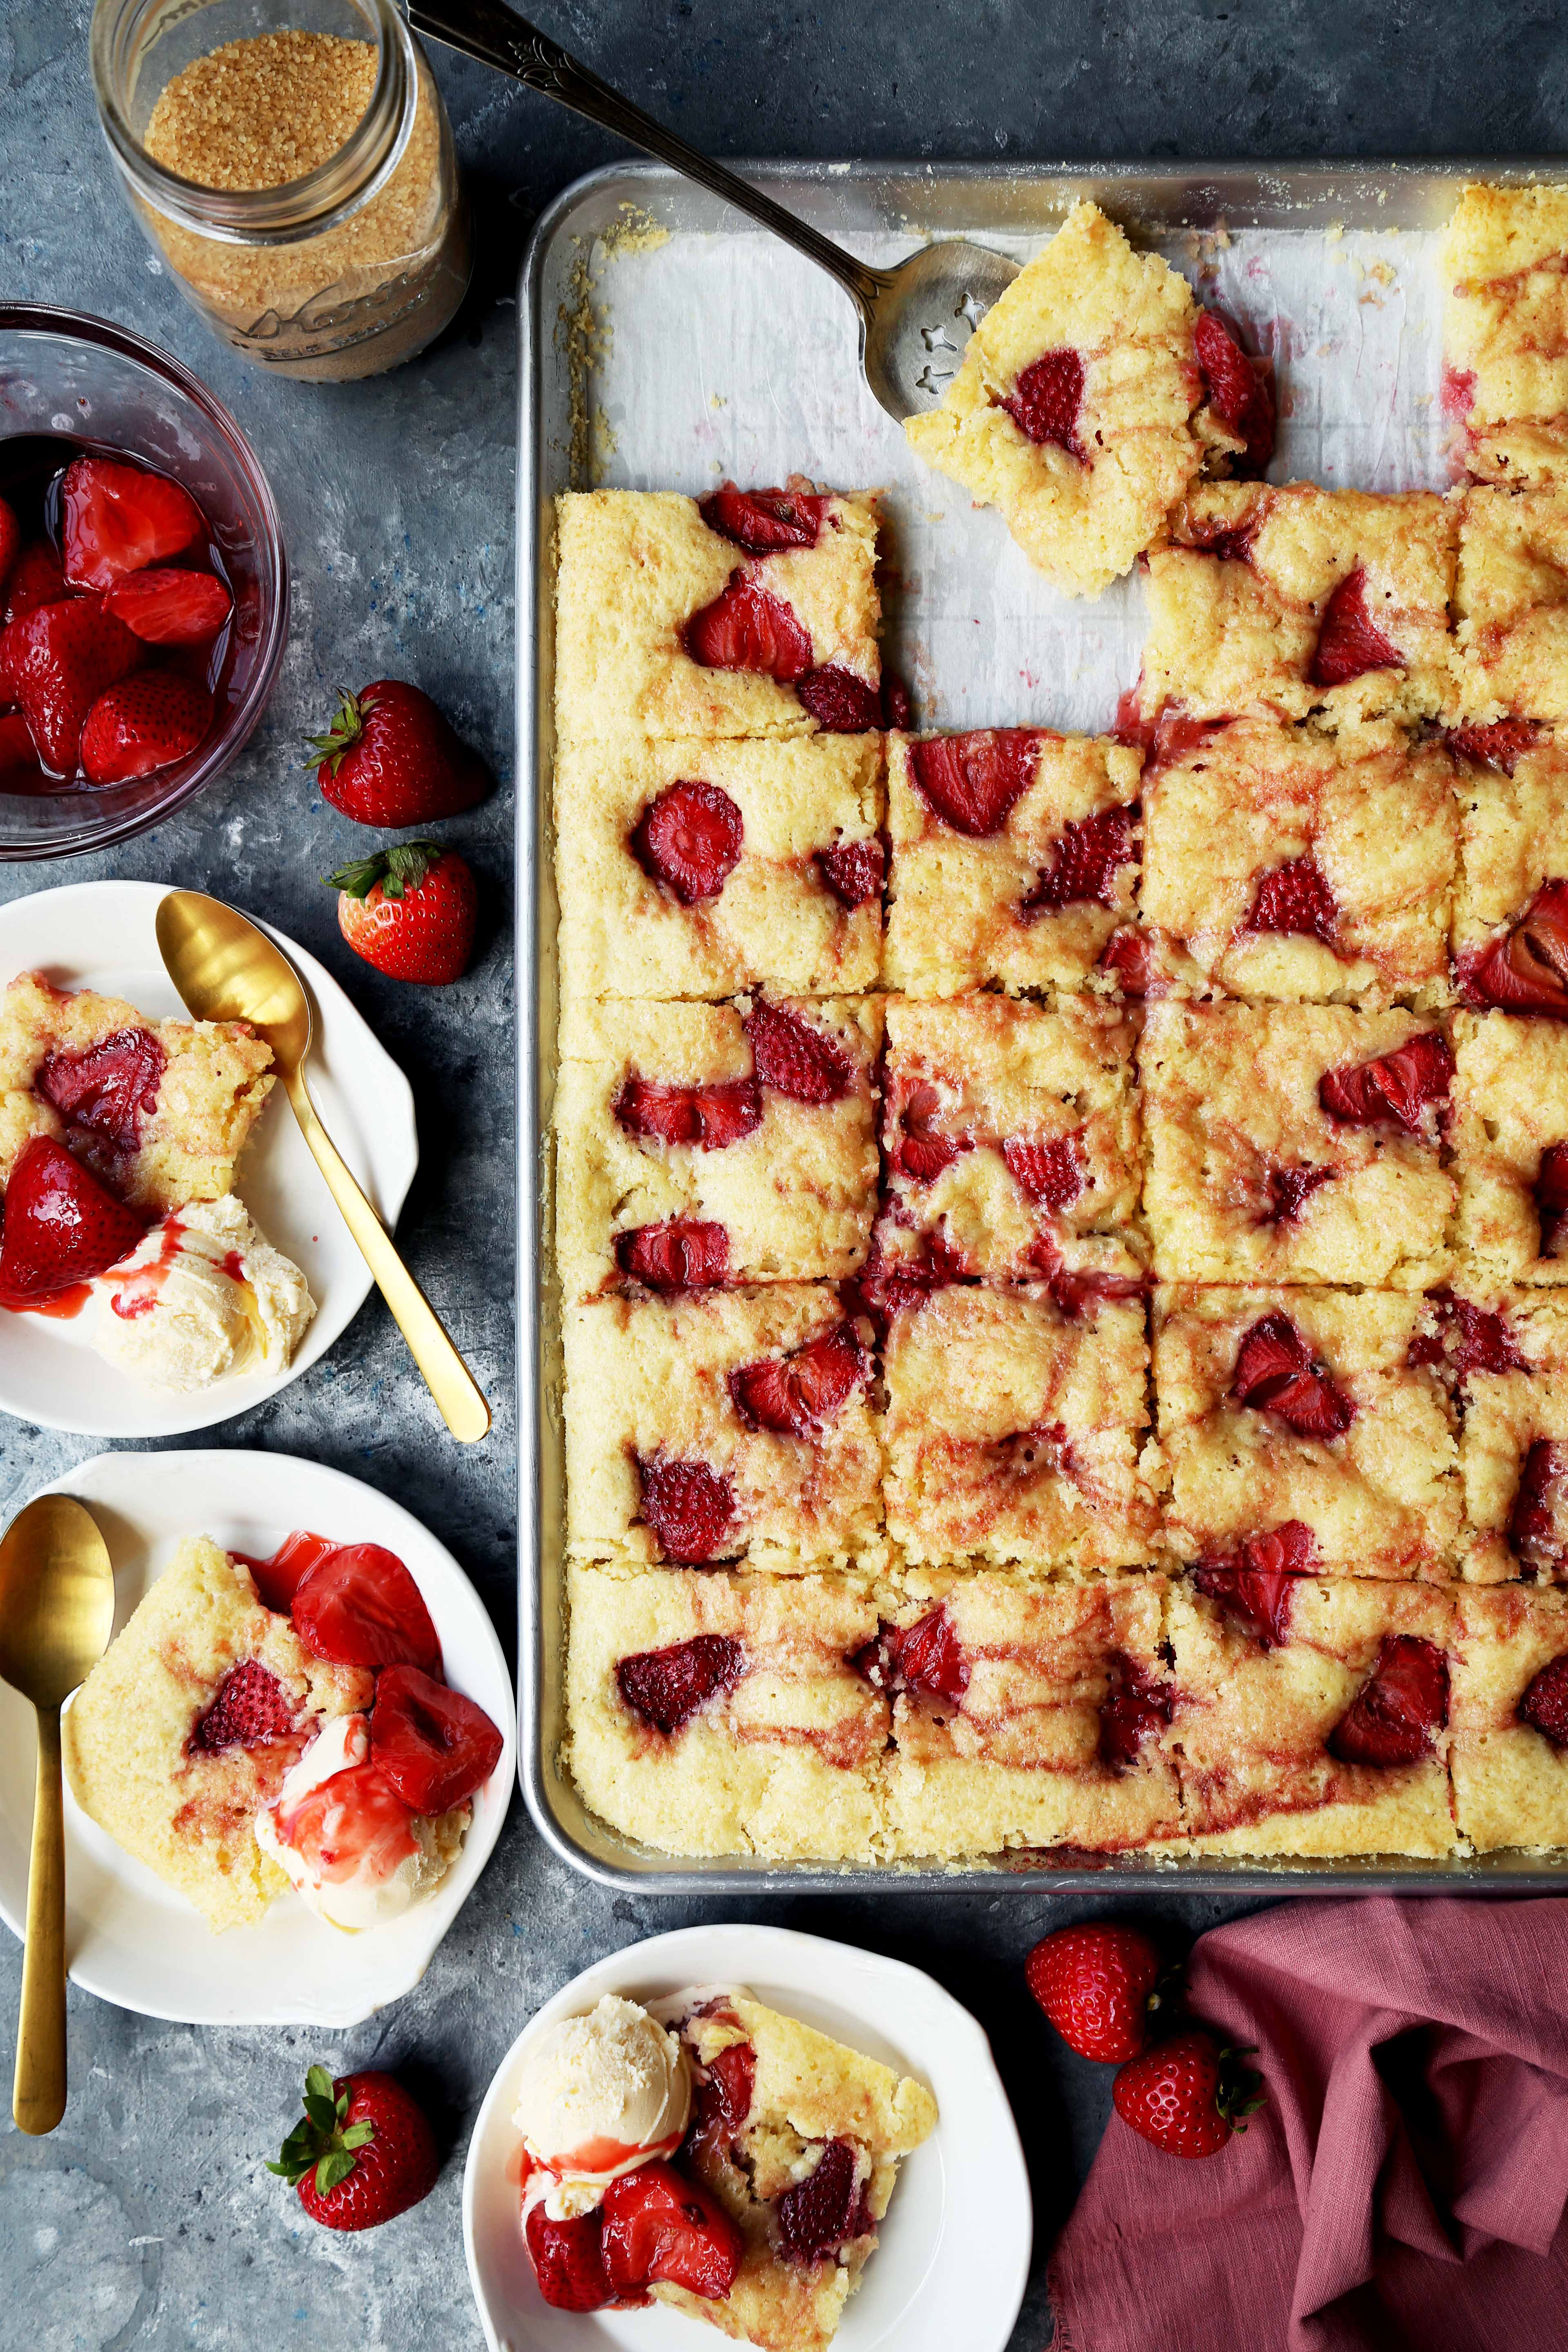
(583, 334)
(636, 232)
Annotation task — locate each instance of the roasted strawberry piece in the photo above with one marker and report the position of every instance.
(1135, 1709)
(798, 1394)
(19, 769)
(795, 1058)
(886, 1287)
(1526, 968)
(747, 628)
(682, 1254)
(764, 522)
(972, 780)
(726, 2095)
(853, 871)
(1397, 1089)
(1048, 400)
(1545, 1706)
(37, 579)
(1502, 745)
(143, 724)
(712, 1117)
(690, 839)
(660, 2226)
(568, 2259)
(360, 1607)
(10, 537)
(1456, 390)
(1083, 871)
(1076, 1289)
(109, 1088)
(428, 1742)
(1468, 1339)
(688, 1505)
(1350, 642)
(1276, 1373)
(1049, 1172)
(667, 1687)
(841, 703)
(1537, 1528)
(1258, 1586)
(1129, 954)
(923, 1158)
(59, 658)
(1552, 1196)
(116, 518)
(1295, 898)
(1289, 1189)
(171, 608)
(1241, 388)
(897, 708)
(825, 2210)
(61, 1226)
(925, 1659)
(1399, 1708)
(280, 1577)
(252, 1706)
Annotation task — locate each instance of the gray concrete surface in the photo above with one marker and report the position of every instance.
(147, 2220)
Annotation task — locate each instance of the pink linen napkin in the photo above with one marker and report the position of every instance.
(1393, 2191)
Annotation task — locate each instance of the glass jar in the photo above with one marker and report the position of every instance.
(350, 267)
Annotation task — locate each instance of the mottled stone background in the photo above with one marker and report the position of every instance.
(147, 2219)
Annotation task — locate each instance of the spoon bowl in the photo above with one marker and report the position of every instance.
(57, 1612)
(927, 309)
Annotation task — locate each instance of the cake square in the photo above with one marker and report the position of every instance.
(704, 869)
(1310, 1716)
(160, 1109)
(706, 1143)
(1510, 604)
(1511, 920)
(1080, 408)
(1509, 1745)
(1015, 858)
(714, 1713)
(1297, 1144)
(1297, 1433)
(722, 1425)
(1015, 1430)
(1009, 1133)
(1299, 599)
(787, 2101)
(1285, 863)
(141, 1750)
(1508, 1136)
(1028, 1714)
(1505, 330)
(740, 614)
(1508, 1350)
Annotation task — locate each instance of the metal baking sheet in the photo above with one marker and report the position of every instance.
(664, 344)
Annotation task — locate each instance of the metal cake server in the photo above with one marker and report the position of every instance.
(915, 318)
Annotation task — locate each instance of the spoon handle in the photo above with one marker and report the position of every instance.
(495, 35)
(448, 1379)
(38, 2091)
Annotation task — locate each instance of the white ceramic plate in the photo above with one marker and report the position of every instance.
(949, 2273)
(129, 1939)
(100, 935)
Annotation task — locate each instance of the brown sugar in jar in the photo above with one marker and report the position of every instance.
(301, 185)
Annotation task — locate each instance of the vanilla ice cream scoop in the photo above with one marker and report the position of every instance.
(204, 1296)
(600, 2094)
(351, 1846)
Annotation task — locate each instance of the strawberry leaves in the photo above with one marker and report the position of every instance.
(323, 2142)
(401, 867)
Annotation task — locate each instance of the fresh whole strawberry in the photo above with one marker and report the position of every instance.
(171, 607)
(1187, 2095)
(61, 1226)
(364, 2153)
(410, 911)
(389, 757)
(661, 2227)
(59, 659)
(118, 517)
(1095, 1983)
(143, 724)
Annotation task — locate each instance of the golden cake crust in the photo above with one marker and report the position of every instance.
(1511, 1783)
(1505, 329)
(1511, 601)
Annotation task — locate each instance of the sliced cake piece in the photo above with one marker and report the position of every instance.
(800, 2139)
(1511, 603)
(158, 1110)
(1508, 1354)
(1505, 331)
(1510, 919)
(1509, 1751)
(185, 1728)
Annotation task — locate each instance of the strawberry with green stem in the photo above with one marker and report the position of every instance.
(389, 757)
(410, 910)
(362, 2153)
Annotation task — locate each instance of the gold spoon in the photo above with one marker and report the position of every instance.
(228, 969)
(57, 1608)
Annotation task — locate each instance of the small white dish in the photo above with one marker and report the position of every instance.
(100, 935)
(132, 1940)
(954, 2256)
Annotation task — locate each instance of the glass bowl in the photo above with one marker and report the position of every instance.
(63, 372)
